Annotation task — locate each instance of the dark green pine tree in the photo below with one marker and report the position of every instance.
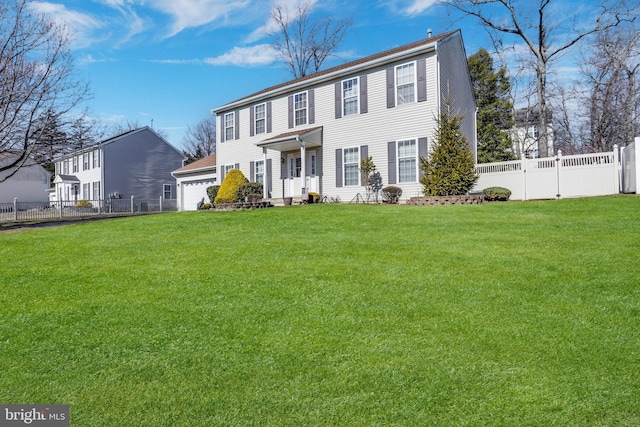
(449, 169)
(495, 109)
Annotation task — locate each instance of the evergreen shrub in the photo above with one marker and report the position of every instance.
(251, 189)
(212, 192)
(83, 204)
(229, 191)
(496, 194)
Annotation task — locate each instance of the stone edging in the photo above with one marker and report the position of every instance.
(242, 206)
(446, 200)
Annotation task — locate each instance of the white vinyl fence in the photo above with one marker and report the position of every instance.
(561, 176)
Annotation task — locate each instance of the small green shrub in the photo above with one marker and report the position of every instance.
(391, 194)
(249, 188)
(206, 206)
(496, 193)
(83, 204)
(229, 191)
(212, 192)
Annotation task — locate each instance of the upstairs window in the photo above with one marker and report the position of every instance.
(229, 126)
(300, 108)
(405, 83)
(75, 164)
(85, 161)
(260, 118)
(96, 159)
(350, 97)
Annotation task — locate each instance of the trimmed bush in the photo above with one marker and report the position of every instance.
(251, 188)
(83, 204)
(212, 192)
(206, 206)
(391, 194)
(496, 193)
(229, 191)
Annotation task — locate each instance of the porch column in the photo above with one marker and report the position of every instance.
(265, 192)
(303, 170)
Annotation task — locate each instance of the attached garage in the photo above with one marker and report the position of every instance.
(193, 180)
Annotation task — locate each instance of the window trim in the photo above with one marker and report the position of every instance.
(232, 126)
(414, 83)
(305, 109)
(345, 164)
(263, 119)
(344, 97)
(415, 157)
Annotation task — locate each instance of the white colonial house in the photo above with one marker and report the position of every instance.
(193, 180)
(310, 134)
(136, 163)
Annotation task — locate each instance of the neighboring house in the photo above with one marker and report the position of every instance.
(525, 134)
(28, 184)
(136, 163)
(192, 182)
(310, 134)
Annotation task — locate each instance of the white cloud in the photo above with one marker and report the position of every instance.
(419, 6)
(80, 25)
(261, 54)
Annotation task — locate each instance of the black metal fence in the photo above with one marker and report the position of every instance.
(42, 211)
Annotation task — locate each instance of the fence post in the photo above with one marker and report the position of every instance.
(160, 204)
(617, 169)
(15, 208)
(523, 168)
(558, 166)
(132, 210)
(99, 202)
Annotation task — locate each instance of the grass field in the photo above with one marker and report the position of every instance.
(352, 315)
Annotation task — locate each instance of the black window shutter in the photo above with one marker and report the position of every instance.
(364, 101)
(268, 181)
(339, 167)
(269, 117)
(391, 88)
(422, 151)
(312, 106)
(237, 119)
(252, 120)
(421, 73)
(290, 102)
(252, 174)
(364, 153)
(338, 99)
(391, 158)
(222, 127)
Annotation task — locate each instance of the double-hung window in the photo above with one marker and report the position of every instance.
(96, 190)
(351, 166)
(85, 161)
(75, 164)
(259, 172)
(405, 83)
(300, 108)
(229, 126)
(65, 167)
(96, 158)
(350, 96)
(260, 118)
(407, 161)
(85, 191)
(166, 191)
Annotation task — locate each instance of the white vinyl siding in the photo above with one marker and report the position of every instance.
(407, 161)
(405, 83)
(351, 166)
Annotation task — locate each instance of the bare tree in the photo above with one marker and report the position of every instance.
(200, 140)
(547, 36)
(37, 80)
(303, 42)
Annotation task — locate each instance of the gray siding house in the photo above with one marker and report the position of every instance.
(136, 163)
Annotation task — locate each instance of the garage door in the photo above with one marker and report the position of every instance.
(193, 192)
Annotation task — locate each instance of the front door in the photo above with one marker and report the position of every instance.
(294, 163)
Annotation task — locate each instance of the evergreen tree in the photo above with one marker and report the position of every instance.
(495, 109)
(449, 169)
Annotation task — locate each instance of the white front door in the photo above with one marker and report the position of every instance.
(294, 167)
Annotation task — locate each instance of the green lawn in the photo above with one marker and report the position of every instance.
(521, 313)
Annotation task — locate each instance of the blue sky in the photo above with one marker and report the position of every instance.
(172, 61)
